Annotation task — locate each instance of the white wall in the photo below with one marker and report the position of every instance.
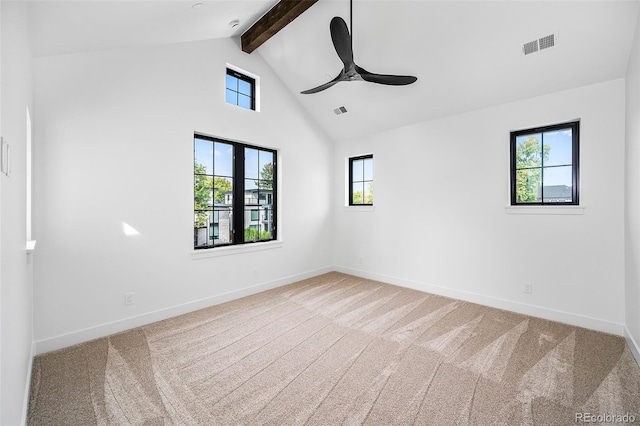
(632, 195)
(440, 224)
(114, 144)
(16, 338)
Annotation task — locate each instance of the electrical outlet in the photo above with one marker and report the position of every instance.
(129, 298)
(527, 288)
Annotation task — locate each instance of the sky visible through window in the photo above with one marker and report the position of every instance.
(239, 92)
(559, 154)
(255, 161)
(207, 153)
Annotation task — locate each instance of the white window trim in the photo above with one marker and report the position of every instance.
(358, 209)
(236, 249)
(545, 210)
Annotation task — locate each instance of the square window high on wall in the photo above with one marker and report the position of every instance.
(544, 165)
(241, 89)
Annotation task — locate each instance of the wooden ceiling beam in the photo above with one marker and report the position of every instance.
(273, 21)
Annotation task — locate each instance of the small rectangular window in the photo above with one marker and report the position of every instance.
(234, 193)
(361, 180)
(240, 90)
(544, 165)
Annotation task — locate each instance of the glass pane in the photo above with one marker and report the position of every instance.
(244, 87)
(203, 155)
(251, 233)
(222, 191)
(265, 197)
(368, 192)
(223, 158)
(368, 169)
(251, 165)
(266, 163)
(528, 185)
(557, 184)
(266, 170)
(223, 226)
(250, 192)
(528, 151)
(357, 173)
(202, 192)
(232, 97)
(250, 184)
(202, 235)
(244, 101)
(266, 216)
(265, 184)
(257, 224)
(358, 192)
(232, 83)
(559, 147)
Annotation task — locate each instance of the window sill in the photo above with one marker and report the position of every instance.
(548, 210)
(31, 246)
(352, 209)
(238, 249)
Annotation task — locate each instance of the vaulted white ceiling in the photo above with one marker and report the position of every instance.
(466, 54)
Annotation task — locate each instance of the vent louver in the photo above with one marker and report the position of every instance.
(539, 44)
(547, 42)
(530, 47)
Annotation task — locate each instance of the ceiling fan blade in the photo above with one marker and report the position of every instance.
(389, 79)
(341, 41)
(340, 77)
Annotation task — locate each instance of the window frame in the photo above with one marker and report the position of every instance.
(351, 181)
(241, 76)
(575, 166)
(238, 209)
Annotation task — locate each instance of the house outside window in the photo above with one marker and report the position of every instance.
(234, 193)
(544, 165)
(361, 180)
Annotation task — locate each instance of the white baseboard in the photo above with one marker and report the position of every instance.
(508, 305)
(80, 336)
(85, 335)
(27, 387)
(633, 345)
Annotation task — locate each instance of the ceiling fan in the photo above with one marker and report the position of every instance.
(343, 43)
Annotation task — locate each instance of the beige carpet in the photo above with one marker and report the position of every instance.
(337, 349)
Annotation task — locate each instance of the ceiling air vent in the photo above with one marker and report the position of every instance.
(540, 44)
(547, 42)
(530, 47)
(340, 110)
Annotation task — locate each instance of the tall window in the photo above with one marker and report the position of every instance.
(544, 165)
(240, 90)
(361, 181)
(234, 192)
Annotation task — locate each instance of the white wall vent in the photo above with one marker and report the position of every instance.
(530, 47)
(539, 44)
(547, 42)
(340, 110)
